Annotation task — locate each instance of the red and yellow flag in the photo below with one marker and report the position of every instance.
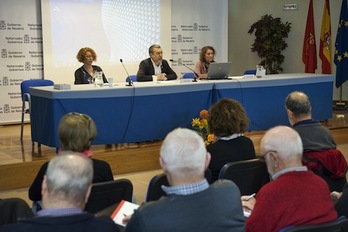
(325, 40)
(309, 52)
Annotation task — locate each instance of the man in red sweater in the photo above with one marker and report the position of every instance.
(295, 196)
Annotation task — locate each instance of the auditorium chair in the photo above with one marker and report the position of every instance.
(108, 193)
(248, 175)
(188, 75)
(133, 77)
(339, 225)
(26, 101)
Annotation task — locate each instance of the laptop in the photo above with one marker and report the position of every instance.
(219, 71)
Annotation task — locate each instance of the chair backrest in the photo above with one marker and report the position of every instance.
(107, 193)
(188, 76)
(13, 209)
(341, 224)
(154, 190)
(33, 83)
(250, 72)
(248, 175)
(133, 77)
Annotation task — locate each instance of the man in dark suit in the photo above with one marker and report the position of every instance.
(65, 190)
(155, 65)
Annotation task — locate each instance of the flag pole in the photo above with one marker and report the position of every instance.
(340, 103)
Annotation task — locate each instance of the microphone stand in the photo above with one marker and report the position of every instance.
(195, 75)
(130, 81)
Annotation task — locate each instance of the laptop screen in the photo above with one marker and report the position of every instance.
(219, 71)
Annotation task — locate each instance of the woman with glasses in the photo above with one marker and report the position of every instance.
(76, 132)
(86, 73)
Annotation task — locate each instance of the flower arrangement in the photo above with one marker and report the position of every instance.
(201, 126)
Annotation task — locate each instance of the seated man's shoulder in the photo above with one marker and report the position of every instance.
(85, 222)
(223, 183)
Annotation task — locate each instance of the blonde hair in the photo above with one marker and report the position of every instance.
(76, 132)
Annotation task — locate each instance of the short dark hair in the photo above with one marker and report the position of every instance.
(152, 47)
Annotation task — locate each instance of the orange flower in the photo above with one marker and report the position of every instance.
(210, 138)
(203, 114)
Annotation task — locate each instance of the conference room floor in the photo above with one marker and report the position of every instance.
(11, 151)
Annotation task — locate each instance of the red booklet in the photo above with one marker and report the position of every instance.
(124, 208)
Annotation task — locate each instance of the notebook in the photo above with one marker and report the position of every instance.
(218, 71)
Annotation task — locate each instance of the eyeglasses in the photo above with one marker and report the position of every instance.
(85, 116)
(263, 156)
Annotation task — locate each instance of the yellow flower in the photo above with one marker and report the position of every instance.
(201, 126)
(195, 122)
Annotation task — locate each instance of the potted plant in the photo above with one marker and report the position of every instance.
(270, 41)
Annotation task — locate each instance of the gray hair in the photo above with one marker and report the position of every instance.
(298, 103)
(152, 47)
(285, 141)
(184, 153)
(69, 177)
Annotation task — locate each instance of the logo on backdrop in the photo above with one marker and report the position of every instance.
(27, 66)
(3, 53)
(2, 25)
(195, 50)
(7, 108)
(5, 81)
(26, 38)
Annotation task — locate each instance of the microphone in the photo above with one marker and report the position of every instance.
(130, 81)
(195, 76)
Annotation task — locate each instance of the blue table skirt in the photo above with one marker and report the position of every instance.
(146, 113)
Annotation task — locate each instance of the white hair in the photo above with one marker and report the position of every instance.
(183, 153)
(285, 141)
(68, 178)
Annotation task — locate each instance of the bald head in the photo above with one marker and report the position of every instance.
(298, 107)
(282, 148)
(67, 181)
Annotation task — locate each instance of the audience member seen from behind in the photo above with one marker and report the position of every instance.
(155, 65)
(191, 204)
(86, 73)
(315, 136)
(227, 120)
(76, 133)
(295, 196)
(341, 201)
(318, 142)
(206, 56)
(65, 191)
